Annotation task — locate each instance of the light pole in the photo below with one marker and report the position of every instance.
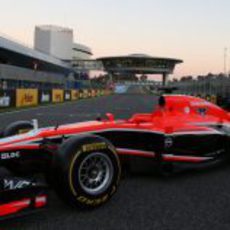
(225, 60)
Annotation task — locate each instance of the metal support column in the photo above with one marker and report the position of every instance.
(164, 79)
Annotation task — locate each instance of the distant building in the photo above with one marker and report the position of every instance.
(81, 52)
(128, 66)
(54, 40)
(59, 42)
(48, 65)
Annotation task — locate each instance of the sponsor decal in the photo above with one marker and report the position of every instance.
(5, 101)
(94, 146)
(202, 111)
(216, 153)
(15, 184)
(187, 110)
(67, 96)
(74, 95)
(92, 202)
(9, 155)
(26, 97)
(45, 97)
(199, 103)
(85, 93)
(57, 95)
(168, 142)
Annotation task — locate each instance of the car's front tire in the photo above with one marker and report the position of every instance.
(17, 127)
(86, 171)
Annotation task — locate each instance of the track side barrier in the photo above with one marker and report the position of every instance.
(85, 93)
(26, 97)
(20, 98)
(89, 93)
(44, 96)
(74, 95)
(80, 94)
(93, 92)
(57, 95)
(7, 99)
(98, 93)
(67, 95)
(107, 92)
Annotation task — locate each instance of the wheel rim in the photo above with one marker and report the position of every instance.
(96, 173)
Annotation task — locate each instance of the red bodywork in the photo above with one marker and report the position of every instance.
(183, 120)
(175, 115)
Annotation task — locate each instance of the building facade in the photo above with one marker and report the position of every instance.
(59, 42)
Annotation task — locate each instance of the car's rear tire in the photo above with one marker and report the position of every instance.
(86, 171)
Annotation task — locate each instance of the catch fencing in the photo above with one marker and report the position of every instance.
(215, 89)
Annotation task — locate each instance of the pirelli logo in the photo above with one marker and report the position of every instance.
(92, 202)
(94, 146)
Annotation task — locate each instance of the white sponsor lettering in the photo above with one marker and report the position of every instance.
(168, 142)
(199, 103)
(12, 184)
(187, 110)
(67, 96)
(10, 155)
(4, 101)
(45, 97)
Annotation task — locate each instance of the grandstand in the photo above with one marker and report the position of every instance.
(45, 73)
(216, 86)
(128, 67)
(49, 65)
(21, 66)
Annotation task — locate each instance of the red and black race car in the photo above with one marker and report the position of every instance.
(82, 161)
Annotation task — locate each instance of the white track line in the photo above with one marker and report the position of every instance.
(36, 108)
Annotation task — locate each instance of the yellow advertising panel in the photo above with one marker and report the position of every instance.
(57, 95)
(74, 94)
(26, 97)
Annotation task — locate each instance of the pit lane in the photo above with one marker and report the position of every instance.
(189, 200)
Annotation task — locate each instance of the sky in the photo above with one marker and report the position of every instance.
(196, 31)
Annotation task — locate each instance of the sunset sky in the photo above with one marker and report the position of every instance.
(193, 30)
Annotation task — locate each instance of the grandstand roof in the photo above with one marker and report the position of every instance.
(14, 53)
(139, 64)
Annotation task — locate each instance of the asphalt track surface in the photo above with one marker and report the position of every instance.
(189, 200)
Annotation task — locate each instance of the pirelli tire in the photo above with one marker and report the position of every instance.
(86, 171)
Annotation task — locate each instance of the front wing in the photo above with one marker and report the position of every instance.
(20, 196)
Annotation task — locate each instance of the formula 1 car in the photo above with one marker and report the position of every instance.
(81, 161)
